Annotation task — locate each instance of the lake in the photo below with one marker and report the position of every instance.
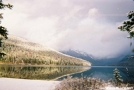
(37, 72)
(59, 73)
(106, 73)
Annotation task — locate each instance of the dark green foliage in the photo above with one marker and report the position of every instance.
(128, 25)
(3, 30)
(2, 55)
(2, 6)
(117, 77)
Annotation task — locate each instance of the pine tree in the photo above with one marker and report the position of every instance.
(128, 25)
(117, 77)
(3, 30)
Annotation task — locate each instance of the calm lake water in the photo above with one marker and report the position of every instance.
(58, 73)
(37, 72)
(106, 73)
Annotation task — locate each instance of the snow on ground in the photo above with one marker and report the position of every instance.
(23, 84)
(117, 88)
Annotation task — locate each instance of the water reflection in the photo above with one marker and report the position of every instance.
(37, 72)
(58, 73)
(106, 73)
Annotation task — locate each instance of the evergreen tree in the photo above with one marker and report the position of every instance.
(128, 25)
(3, 30)
(117, 77)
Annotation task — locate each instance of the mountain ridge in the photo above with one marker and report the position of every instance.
(92, 59)
(21, 51)
(128, 60)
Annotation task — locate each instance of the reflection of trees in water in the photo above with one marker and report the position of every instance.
(106, 73)
(44, 73)
(129, 74)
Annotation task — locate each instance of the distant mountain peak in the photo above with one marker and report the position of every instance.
(92, 59)
(79, 54)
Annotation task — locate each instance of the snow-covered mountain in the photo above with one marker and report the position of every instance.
(21, 51)
(128, 60)
(79, 54)
(92, 59)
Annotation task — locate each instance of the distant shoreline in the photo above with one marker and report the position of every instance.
(24, 84)
(71, 74)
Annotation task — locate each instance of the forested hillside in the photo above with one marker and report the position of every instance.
(21, 51)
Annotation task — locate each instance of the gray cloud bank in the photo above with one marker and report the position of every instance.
(85, 25)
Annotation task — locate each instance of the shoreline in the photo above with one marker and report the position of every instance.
(71, 74)
(25, 84)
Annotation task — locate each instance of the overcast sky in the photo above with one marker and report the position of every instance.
(85, 25)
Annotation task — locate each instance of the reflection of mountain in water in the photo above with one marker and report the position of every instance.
(106, 73)
(49, 73)
(42, 73)
(129, 73)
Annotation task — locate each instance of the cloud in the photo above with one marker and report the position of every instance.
(97, 38)
(66, 24)
(93, 12)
